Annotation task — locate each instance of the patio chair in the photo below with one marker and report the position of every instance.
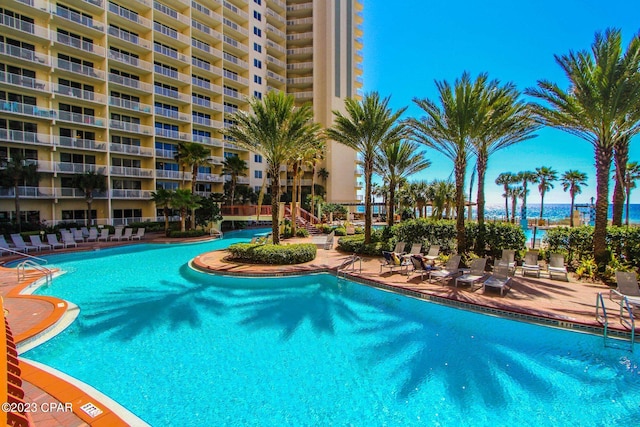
(399, 249)
(627, 282)
(85, 232)
(128, 233)
(434, 252)
(117, 235)
(93, 235)
(37, 242)
(104, 235)
(499, 279)
(451, 269)
(392, 261)
(139, 234)
(20, 245)
(68, 240)
(509, 258)
(52, 239)
(77, 235)
(4, 246)
(530, 264)
(416, 248)
(476, 274)
(419, 266)
(557, 266)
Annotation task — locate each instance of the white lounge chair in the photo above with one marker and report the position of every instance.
(4, 246)
(557, 266)
(450, 270)
(399, 249)
(117, 235)
(85, 232)
(627, 282)
(37, 242)
(128, 232)
(499, 279)
(530, 264)
(93, 235)
(394, 262)
(78, 236)
(476, 274)
(323, 242)
(20, 245)
(509, 258)
(68, 240)
(416, 248)
(52, 239)
(139, 234)
(104, 235)
(434, 252)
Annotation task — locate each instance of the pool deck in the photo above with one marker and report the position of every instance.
(554, 302)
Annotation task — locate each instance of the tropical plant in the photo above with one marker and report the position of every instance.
(545, 176)
(573, 180)
(89, 183)
(620, 160)
(234, 167)
(525, 177)
(397, 160)
(632, 174)
(183, 200)
(515, 193)
(192, 155)
(275, 127)
(506, 179)
(18, 171)
(367, 126)
(600, 106)
(162, 198)
(323, 174)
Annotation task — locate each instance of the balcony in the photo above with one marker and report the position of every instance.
(172, 134)
(171, 53)
(171, 114)
(300, 81)
(76, 93)
(204, 121)
(166, 154)
(205, 29)
(216, 160)
(300, 37)
(41, 86)
(171, 35)
(300, 96)
(129, 83)
(129, 17)
(76, 18)
(79, 143)
(13, 25)
(236, 78)
(206, 66)
(130, 127)
(83, 119)
(172, 94)
(230, 25)
(276, 62)
(129, 105)
(37, 6)
(241, 15)
(207, 177)
(276, 77)
(75, 68)
(233, 94)
(25, 55)
(131, 194)
(74, 193)
(303, 66)
(273, 46)
(233, 44)
(21, 137)
(275, 33)
(63, 167)
(23, 109)
(205, 103)
(297, 24)
(236, 61)
(170, 16)
(28, 192)
(172, 74)
(207, 140)
(132, 61)
(303, 7)
(277, 4)
(300, 51)
(169, 174)
(131, 40)
(77, 44)
(131, 149)
(132, 172)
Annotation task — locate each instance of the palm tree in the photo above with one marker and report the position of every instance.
(600, 106)
(631, 176)
(442, 195)
(90, 182)
(396, 161)
(192, 155)
(275, 127)
(451, 128)
(314, 155)
(419, 190)
(367, 126)
(183, 200)
(515, 193)
(162, 198)
(323, 174)
(505, 179)
(525, 177)
(545, 177)
(620, 160)
(234, 166)
(573, 180)
(18, 171)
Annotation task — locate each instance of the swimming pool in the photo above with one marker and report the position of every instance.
(178, 347)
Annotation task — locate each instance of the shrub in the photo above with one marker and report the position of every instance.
(302, 232)
(273, 254)
(355, 244)
(340, 231)
(188, 233)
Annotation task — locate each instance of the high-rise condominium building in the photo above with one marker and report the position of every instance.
(115, 86)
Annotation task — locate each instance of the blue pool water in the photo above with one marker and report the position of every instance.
(182, 348)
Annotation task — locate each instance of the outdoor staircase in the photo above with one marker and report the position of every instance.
(301, 223)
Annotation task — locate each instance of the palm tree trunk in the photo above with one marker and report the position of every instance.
(603, 167)
(194, 179)
(506, 201)
(368, 172)
(183, 218)
(482, 169)
(16, 190)
(313, 190)
(294, 195)
(573, 202)
(460, 168)
(89, 213)
(166, 221)
(514, 202)
(392, 203)
(275, 199)
(541, 204)
(621, 158)
(627, 213)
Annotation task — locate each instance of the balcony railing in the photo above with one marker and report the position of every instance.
(276, 61)
(167, 11)
(72, 193)
(276, 16)
(64, 167)
(169, 174)
(134, 172)
(24, 81)
(26, 109)
(81, 143)
(170, 32)
(235, 43)
(128, 15)
(273, 45)
(129, 105)
(170, 93)
(166, 154)
(130, 127)
(129, 82)
(28, 192)
(85, 119)
(165, 112)
(206, 66)
(25, 137)
(159, 69)
(300, 36)
(129, 194)
(276, 32)
(63, 64)
(25, 54)
(168, 133)
(234, 60)
(236, 78)
(77, 18)
(78, 93)
(131, 149)
(274, 76)
(130, 60)
(163, 50)
(207, 140)
(129, 37)
(79, 44)
(206, 29)
(235, 26)
(235, 10)
(24, 26)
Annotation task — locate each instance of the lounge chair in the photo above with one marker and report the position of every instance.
(419, 266)
(52, 239)
(451, 269)
(530, 264)
(20, 245)
(556, 266)
(128, 233)
(68, 240)
(117, 235)
(139, 234)
(37, 242)
(509, 259)
(85, 232)
(104, 235)
(392, 261)
(476, 274)
(416, 248)
(93, 235)
(627, 287)
(323, 242)
(77, 235)
(399, 249)
(499, 279)
(4, 246)
(434, 253)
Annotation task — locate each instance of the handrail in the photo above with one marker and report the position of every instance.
(602, 318)
(350, 261)
(630, 323)
(217, 233)
(26, 255)
(48, 273)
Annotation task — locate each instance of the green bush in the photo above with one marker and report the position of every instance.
(188, 233)
(148, 226)
(340, 231)
(428, 232)
(355, 244)
(302, 232)
(273, 254)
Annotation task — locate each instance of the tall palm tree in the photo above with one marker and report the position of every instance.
(162, 198)
(18, 171)
(397, 160)
(545, 176)
(323, 174)
(631, 176)
(573, 180)
(451, 127)
(234, 167)
(506, 179)
(419, 190)
(600, 106)
(525, 177)
(620, 161)
(275, 127)
(183, 200)
(89, 183)
(192, 155)
(515, 193)
(313, 156)
(366, 127)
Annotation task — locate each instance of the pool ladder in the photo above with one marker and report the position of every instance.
(625, 308)
(350, 263)
(22, 270)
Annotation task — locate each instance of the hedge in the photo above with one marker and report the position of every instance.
(273, 254)
(188, 233)
(355, 244)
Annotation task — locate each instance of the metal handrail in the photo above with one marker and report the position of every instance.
(602, 318)
(48, 273)
(351, 261)
(26, 255)
(629, 323)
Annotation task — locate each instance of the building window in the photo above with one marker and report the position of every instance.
(257, 94)
(257, 15)
(257, 1)
(257, 158)
(257, 47)
(257, 63)
(229, 154)
(257, 79)
(257, 31)
(257, 174)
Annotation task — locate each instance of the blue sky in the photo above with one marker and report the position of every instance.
(409, 44)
